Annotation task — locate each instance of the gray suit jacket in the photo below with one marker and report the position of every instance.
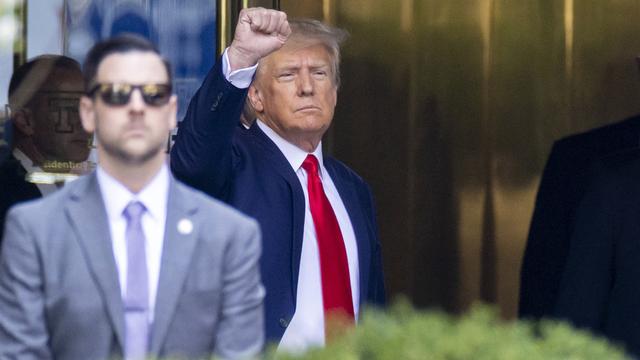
(59, 289)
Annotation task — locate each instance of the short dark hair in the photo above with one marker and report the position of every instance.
(119, 44)
(31, 77)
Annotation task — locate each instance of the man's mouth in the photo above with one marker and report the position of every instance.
(308, 108)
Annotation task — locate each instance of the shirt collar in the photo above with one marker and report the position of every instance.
(153, 196)
(26, 163)
(294, 155)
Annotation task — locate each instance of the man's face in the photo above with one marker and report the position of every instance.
(57, 131)
(295, 93)
(135, 132)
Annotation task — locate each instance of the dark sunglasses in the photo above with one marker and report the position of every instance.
(117, 94)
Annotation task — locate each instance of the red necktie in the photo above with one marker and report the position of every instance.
(334, 267)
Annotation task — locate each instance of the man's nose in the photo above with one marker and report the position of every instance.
(305, 84)
(136, 102)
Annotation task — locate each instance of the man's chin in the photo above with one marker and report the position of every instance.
(134, 156)
(314, 129)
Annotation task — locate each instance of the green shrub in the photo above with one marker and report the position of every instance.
(405, 333)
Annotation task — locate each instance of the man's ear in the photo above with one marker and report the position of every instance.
(173, 111)
(87, 111)
(255, 97)
(22, 121)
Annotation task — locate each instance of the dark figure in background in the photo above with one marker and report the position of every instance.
(599, 288)
(564, 182)
(276, 172)
(44, 128)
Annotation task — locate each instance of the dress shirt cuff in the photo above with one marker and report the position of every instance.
(240, 78)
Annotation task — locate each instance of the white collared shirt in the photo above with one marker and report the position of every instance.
(306, 328)
(153, 196)
(27, 164)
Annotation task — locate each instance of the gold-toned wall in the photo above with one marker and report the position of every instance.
(448, 108)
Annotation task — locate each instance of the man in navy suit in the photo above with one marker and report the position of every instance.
(321, 252)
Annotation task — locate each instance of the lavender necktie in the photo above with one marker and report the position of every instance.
(136, 299)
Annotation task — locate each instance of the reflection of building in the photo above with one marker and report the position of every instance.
(184, 34)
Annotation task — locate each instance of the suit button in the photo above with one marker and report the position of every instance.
(284, 323)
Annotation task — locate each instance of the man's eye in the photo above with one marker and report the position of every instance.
(285, 76)
(320, 74)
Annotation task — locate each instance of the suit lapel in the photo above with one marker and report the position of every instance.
(283, 167)
(88, 217)
(177, 251)
(351, 202)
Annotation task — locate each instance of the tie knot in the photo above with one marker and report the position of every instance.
(310, 164)
(134, 210)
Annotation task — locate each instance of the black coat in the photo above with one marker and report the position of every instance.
(600, 287)
(562, 187)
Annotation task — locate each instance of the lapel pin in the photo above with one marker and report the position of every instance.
(185, 226)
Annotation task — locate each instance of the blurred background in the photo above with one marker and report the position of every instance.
(448, 108)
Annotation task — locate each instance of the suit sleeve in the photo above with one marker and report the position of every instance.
(586, 281)
(548, 241)
(202, 153)
(23, 332)
(376, 294)
(241, 330)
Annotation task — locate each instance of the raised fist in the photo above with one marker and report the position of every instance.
(259, 32)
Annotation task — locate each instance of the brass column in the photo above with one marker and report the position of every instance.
(20, 41)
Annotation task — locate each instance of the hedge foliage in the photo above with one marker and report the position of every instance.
(406, 333)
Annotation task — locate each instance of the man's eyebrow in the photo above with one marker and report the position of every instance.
(285, 67)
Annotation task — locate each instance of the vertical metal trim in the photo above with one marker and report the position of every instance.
(568, 36)
(489, 251)
(328, 143)
(568, 59)
(328, 11)
(65, 20)
(407, 22)
(20, 41)
(222, 16)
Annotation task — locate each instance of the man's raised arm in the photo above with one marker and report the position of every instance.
(201, 156)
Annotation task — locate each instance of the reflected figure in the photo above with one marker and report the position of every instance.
(565, 180)
(46, 139)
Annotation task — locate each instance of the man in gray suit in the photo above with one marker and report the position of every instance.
(127, 262)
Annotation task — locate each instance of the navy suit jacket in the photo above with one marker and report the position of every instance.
(244, 168)
(565, 179)
(599, 288)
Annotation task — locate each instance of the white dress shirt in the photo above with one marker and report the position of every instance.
(153, 196)
(306, 328)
